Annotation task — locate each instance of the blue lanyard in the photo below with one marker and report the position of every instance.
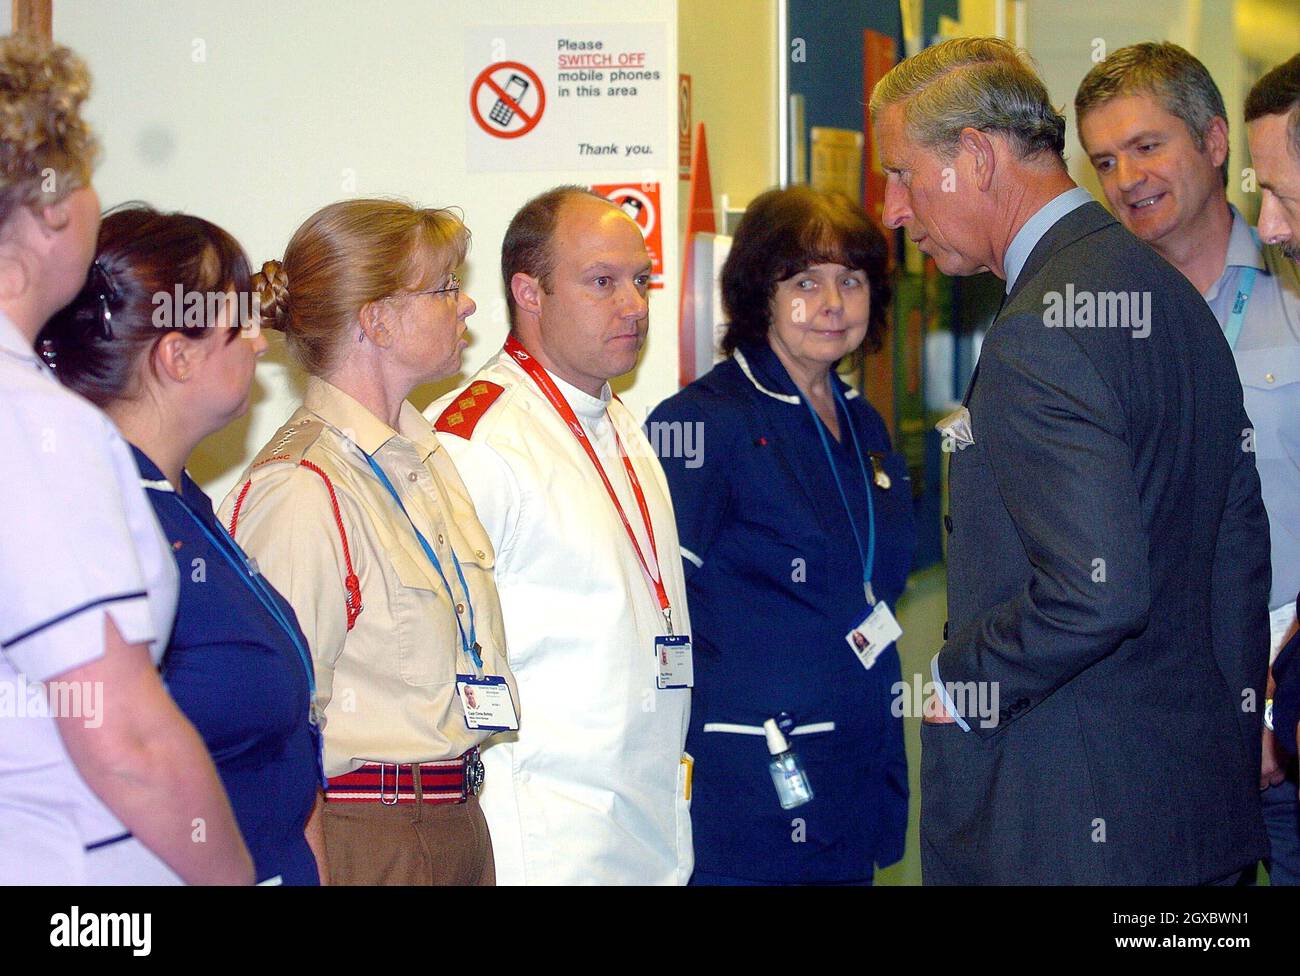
(255, 582)
(239, 562)
(468, 642)
(1245, 285)
(868, 557)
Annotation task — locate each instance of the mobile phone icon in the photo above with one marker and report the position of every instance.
(632, 207)
(501, 112)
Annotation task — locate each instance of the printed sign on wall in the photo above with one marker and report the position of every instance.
(587, 96)
(640, 201)
(507, 100)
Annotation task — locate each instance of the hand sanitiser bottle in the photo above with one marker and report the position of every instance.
(787, 771)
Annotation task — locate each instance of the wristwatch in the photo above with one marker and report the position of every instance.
(1268, 714)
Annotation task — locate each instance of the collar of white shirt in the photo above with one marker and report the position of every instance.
(362, 427)
(584, 404)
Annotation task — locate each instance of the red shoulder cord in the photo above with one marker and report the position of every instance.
(350, 582)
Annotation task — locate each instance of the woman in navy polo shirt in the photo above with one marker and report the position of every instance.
(796, 524)
(164, 339)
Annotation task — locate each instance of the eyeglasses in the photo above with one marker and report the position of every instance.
(451, 288)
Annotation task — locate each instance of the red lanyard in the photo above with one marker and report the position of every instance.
(552, 393)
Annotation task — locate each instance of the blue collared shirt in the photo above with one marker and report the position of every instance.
(1022, 245)
(1268, 361)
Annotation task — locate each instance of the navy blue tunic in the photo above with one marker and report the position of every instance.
(774, 582)
(238, 678)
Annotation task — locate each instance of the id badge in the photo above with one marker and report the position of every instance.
(675, 667)
(876, 631)
(486, 703)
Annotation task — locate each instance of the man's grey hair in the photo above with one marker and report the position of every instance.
(1168, 73)
(981, 83)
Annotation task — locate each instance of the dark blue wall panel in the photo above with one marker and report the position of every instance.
(830, 78)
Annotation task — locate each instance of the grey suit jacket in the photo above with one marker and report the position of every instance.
(1108, 575)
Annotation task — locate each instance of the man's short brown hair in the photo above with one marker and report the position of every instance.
(527, 244)
(1278, 93)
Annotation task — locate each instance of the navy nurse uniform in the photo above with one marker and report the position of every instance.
(774, 583)
(237, 676)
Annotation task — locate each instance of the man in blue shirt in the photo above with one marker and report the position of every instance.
(1154, 125)
(1273, 128)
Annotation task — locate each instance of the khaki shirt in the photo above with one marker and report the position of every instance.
(387, 688)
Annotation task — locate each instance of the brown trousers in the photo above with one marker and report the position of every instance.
(408, 844)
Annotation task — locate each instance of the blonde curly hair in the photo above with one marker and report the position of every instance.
(46, 149)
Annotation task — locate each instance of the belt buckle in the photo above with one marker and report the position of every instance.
(397, 791)
(474, 773)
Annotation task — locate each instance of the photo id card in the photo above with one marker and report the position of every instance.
(876, 631)
(675, 666)
(486, 703)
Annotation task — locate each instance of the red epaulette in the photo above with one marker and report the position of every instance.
(468, 408)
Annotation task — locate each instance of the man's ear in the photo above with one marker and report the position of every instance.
(1216, 140)
(177, 357)
(983, 157)
(374, 324)
(527, 292)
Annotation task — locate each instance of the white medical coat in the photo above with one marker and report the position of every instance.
(592, 788)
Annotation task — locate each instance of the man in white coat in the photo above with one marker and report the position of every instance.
(594, 787)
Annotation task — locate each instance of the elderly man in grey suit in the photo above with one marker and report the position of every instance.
(1108, 567)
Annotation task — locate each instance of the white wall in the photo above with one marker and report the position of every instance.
(1062, 37)
(730, 49)
(291, 100)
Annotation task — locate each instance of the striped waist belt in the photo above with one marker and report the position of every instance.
(445, 781)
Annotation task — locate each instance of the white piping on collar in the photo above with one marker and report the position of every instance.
(688, 555)
(163, 485)
(735, 729)
(743, 363)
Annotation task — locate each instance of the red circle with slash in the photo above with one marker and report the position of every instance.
(530, 118)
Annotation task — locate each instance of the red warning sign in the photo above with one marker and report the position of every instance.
(507, 99)
(640, 201)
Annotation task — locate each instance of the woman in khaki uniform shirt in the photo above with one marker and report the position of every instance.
(337, 510)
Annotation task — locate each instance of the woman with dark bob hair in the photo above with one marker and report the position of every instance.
(797, 531)
(164, 338)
